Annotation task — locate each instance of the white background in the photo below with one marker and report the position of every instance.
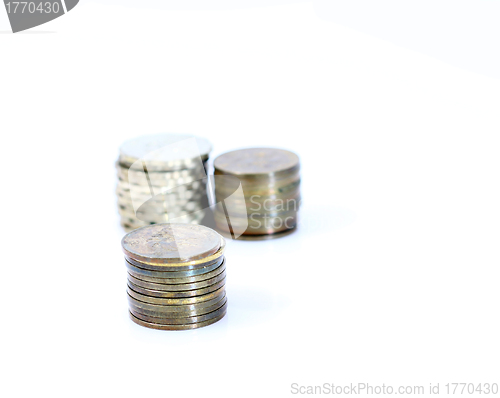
(393, 276)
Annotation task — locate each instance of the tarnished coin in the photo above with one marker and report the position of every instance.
(177, 286)
(202, 263)
(177, 293)
(186, 279)
(256, 225)
(173, 301)
(176, 311)
(257, 161)
(266, 199)
(181, 321)
(140, 273)
(171, 243)
(178, 314)
(249, 237)
(176, 327)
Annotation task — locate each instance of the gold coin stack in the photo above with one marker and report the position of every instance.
(176, 276)
(162, 178)
(269, 204)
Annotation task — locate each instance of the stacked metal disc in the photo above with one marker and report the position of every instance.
(264, 202)
(176, 276)
(162, 178)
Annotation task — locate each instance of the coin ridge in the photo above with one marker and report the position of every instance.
(176, 327)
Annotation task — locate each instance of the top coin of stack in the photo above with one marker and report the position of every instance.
(160, 178)
(176, 276)
(270, 181)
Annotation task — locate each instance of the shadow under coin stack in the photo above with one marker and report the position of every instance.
(268, 206)
(176, 276)
(162, 178)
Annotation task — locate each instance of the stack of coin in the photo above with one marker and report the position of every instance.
(176, 276)
(162, 178)
(268, 205)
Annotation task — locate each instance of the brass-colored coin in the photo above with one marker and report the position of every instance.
(225, 186)
(171, 243)
(270, 202)
(189, 266)
(275, 235)
(256, 225)
(176, 327)
(173, 287)
(252, 208)
(182, 321)
(175, 311)
(257, 162)
(183, 311)
(176, 294)
(181, 280)
(173, 301)
(136, 269)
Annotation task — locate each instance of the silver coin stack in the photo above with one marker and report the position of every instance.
(162, 178)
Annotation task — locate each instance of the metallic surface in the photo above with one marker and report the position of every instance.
(168, 279)
(187, 266)
(167, 151)
(184, 320)
(177, 293)
(256, 162)
(139, 272)
(171, 243)
(179, 286)
(270, 182)
(173, 301)
(176, 311)
(162, 178)
(176, 327)
(275, 235)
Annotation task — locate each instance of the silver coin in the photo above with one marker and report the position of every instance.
(164, 151)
